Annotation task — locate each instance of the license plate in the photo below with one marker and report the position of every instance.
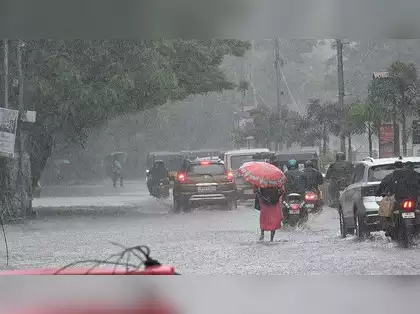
(206, 188)
(295, 212)
(310, 205)
(248, 192)
(408, 215)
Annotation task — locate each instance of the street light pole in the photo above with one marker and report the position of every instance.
(340, 74)
(278, 62)
(21, 109)
(6, 72)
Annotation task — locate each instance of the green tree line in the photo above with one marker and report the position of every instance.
(78, 85)
(391, 99)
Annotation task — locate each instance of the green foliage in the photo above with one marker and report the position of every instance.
(78, 85)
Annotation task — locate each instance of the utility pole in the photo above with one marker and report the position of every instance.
(6, 72)
(340, 73)
(278, 63)
(21, 146)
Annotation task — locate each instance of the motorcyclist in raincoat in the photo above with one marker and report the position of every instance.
(403, 183)
(295, 181)
(339, 173)
(312, 177)
(386, 186)
(157, 173)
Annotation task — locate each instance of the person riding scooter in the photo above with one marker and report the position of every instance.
(339, 174)
(157, 174)
(312, 177)
(295, 182)
(403, 184)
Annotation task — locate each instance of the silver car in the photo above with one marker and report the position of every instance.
(358, 205)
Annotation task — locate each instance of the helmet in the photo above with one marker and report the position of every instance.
(309, 164)
(340, 156)
(292, 164)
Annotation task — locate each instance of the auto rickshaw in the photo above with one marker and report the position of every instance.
(172, 160)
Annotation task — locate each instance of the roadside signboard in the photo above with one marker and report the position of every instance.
(8, 126)
(386, 141)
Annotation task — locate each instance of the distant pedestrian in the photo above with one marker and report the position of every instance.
(117, 172)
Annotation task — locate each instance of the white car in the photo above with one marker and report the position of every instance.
(358, 203)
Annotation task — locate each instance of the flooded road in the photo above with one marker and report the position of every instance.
(206, 241)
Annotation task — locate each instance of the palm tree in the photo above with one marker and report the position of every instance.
(404, 76)
(322, 119)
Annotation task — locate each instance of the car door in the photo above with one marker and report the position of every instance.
(350, 192)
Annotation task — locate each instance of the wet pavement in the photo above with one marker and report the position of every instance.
(80, 224)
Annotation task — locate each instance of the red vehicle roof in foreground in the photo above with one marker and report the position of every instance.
(157, 270)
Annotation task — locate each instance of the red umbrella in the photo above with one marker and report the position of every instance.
(262, 174)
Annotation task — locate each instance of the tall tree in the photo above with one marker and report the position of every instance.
(404, 76)
(77, 85)
(322, 120)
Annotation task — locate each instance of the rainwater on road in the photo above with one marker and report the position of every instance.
(79, 222)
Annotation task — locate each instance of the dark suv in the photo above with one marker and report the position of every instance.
(204, 182)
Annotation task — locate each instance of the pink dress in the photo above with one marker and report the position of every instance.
(271, 216)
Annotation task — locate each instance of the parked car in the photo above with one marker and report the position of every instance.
(358, 206)
(204, 182)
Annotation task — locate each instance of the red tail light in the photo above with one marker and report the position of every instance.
(230, 176)
(310, 196)
(294, 206)
(204, 162)
(408, 206)
(181, 177)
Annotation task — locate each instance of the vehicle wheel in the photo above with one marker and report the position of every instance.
(405, 236)
(176, 206)
(231, 204)
(187, 207)
(292, 221)
(343, 227)
(361, 231)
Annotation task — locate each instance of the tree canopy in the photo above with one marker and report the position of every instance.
(77, 85)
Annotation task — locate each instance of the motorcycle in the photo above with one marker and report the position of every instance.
(312, 202)
(294, 210)
(161, 190)
(404, 223)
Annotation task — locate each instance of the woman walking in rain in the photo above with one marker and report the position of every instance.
(269, 202)
(269, 187)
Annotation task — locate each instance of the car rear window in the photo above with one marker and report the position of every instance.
(212, 169)
(377, 173)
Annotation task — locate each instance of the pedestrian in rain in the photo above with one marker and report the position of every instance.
(268, 202)
(117, 172)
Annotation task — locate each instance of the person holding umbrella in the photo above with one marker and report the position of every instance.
(269, 187)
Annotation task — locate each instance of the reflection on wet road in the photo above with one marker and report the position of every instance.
(206, 241)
